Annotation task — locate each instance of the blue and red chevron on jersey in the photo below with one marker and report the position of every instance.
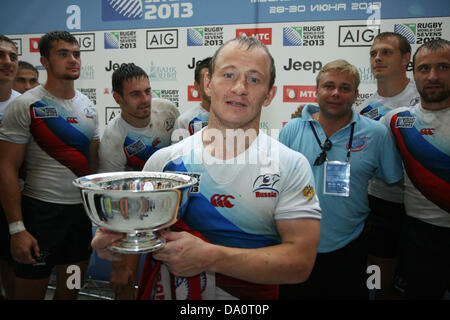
(201, 215)
(427, 167)
(60, 139)
(137, 152)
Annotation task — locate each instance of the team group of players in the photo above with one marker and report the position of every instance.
(294, 218)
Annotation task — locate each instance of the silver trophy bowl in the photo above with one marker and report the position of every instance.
(137, 203)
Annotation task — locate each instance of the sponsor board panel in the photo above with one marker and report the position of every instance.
(168, 55)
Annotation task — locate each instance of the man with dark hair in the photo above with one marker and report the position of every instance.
(423, 137)
(254, 221)
(8, 69)
(27, 77)
(144, 126)
(390, 54)
(48, 40)
(53, 129)
(196, 118)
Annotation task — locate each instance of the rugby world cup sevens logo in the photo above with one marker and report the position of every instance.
(121, 10)
(408, 30)
(292, 36)
(195, 36)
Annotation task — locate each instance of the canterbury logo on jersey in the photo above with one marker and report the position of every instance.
(427, 131)
(72, 119)
(156, 142)
(221, 200)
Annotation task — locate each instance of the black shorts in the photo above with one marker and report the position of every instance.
(423, 270)
(336, 275)
(63, 232)
(383, 226)
(5, 250)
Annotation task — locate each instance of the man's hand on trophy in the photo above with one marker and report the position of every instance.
(184, 254)
(103, 239)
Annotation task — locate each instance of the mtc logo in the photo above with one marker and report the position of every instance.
(221, 200)
(262, 34)
(193, 94)
(304, 94)
(427, 131)
(34, 44)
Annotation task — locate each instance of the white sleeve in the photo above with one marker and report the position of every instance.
(386, 120)
(16, 122)
(157, 161)
(111, 153)
(298, 198)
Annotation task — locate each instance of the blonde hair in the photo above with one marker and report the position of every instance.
(340, 65)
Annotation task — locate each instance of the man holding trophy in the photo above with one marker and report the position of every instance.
(251, 222)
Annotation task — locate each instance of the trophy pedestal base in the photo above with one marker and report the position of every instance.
(139, 242)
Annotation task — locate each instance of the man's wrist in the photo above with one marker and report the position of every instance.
(16, 227)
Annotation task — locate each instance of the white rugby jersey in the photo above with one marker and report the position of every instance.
(375, 108)
(236, 202)
(124, 147)
(423, 138)
(193, 120)
(4, 104)
(58, 133)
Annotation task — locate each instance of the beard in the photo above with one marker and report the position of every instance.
(435, 96)
(70, 76)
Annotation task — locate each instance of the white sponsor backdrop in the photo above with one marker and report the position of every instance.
(168, 54)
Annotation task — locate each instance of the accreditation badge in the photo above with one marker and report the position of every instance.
(336, 178)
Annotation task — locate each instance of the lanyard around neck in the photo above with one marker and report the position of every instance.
(350, 141)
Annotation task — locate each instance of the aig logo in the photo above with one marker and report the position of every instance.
(162, 39)
(356, 36)
(18, 43)
(86, 41)
(222, 200)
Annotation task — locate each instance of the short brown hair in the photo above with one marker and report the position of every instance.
(403, 43)
(342, 66)
(431, 45)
